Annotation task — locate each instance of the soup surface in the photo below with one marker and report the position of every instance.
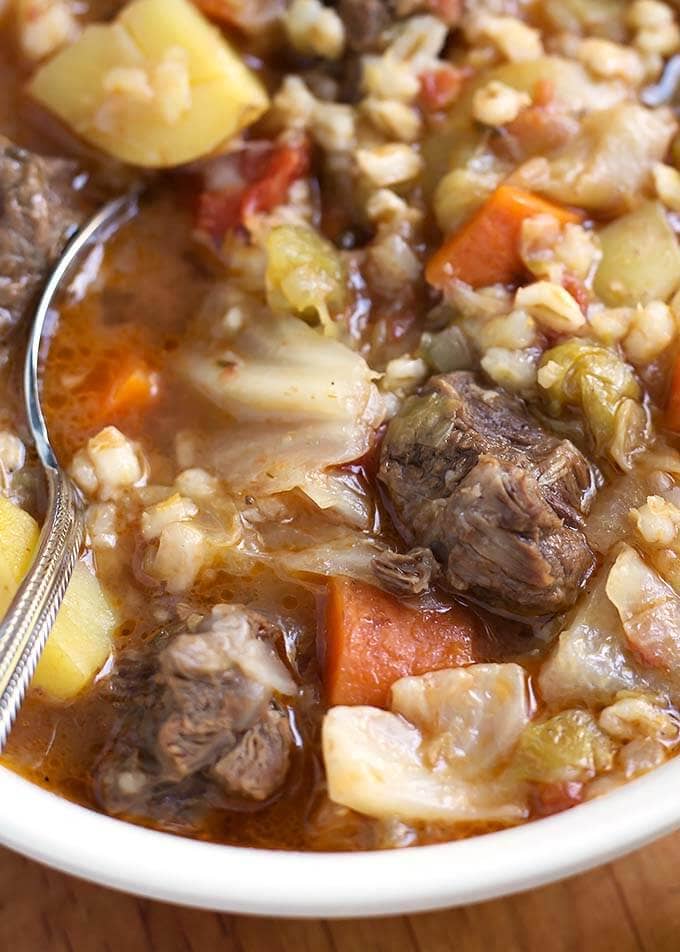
(373, 404)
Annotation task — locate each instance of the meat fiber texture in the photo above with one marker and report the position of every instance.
(497, 498)
(205, 719)
(38, 209)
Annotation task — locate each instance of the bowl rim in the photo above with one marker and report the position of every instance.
(167, 867)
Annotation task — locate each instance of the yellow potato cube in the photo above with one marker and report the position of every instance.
(160, 86)
(80, 641)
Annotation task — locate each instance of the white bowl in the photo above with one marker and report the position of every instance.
(276, 883)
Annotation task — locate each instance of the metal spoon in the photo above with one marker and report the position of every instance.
(31, 615)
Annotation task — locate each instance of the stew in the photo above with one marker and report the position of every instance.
(373, 404)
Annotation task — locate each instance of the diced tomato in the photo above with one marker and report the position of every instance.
(286, 164)
(267, 178)
(577, 289)
(217, 213)
(440, 87)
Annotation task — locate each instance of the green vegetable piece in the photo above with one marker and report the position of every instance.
(304, 273)
(594, 380)
(447, 350)
(567, 747)
(640, 260)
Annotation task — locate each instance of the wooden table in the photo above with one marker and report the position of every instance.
(632, 905)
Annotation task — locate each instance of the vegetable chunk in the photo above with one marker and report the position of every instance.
(373, 638)
(592, 663)
(447, 766)
(640, 258)
(304, 273)
(487, 249)
(649, 610)
(608, 164)
(595, 380)
(569, 747)
(80, 641)
(300, 402)
(158, 87)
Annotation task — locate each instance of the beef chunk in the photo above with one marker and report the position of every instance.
(365, 21)
(38, 207)
(497, 498)
(259, 761)
(404, 573)
(203, 720)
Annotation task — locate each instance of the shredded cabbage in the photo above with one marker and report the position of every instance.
(304, 273)
(593, 379)
(567, 747)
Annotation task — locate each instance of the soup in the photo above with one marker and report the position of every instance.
(373, 404)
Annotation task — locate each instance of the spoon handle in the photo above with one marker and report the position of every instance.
(30, 617)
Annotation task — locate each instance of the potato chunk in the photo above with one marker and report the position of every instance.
(607, 166)
(157, 87)
(80, 641)
(640, 258)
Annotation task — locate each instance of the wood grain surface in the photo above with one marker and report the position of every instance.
(632, 905)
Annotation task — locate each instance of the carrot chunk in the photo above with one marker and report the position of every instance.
(132, 387)
(373, 639)
(486, 250)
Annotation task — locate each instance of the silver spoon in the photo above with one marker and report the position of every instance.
(31, 615)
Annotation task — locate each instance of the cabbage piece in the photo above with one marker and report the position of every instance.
(591, 662)
(649, 610)
(341, 495)
(447, 765)
(304, 272)
(348, 553)
(605, 167)
(609, 520)
(474, 714)
(636, 716)
(567, 747)
(594, 380)
(297, 403)
(282, 369)
(275, 457)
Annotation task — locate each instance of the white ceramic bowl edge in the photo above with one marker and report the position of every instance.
(275, 883)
